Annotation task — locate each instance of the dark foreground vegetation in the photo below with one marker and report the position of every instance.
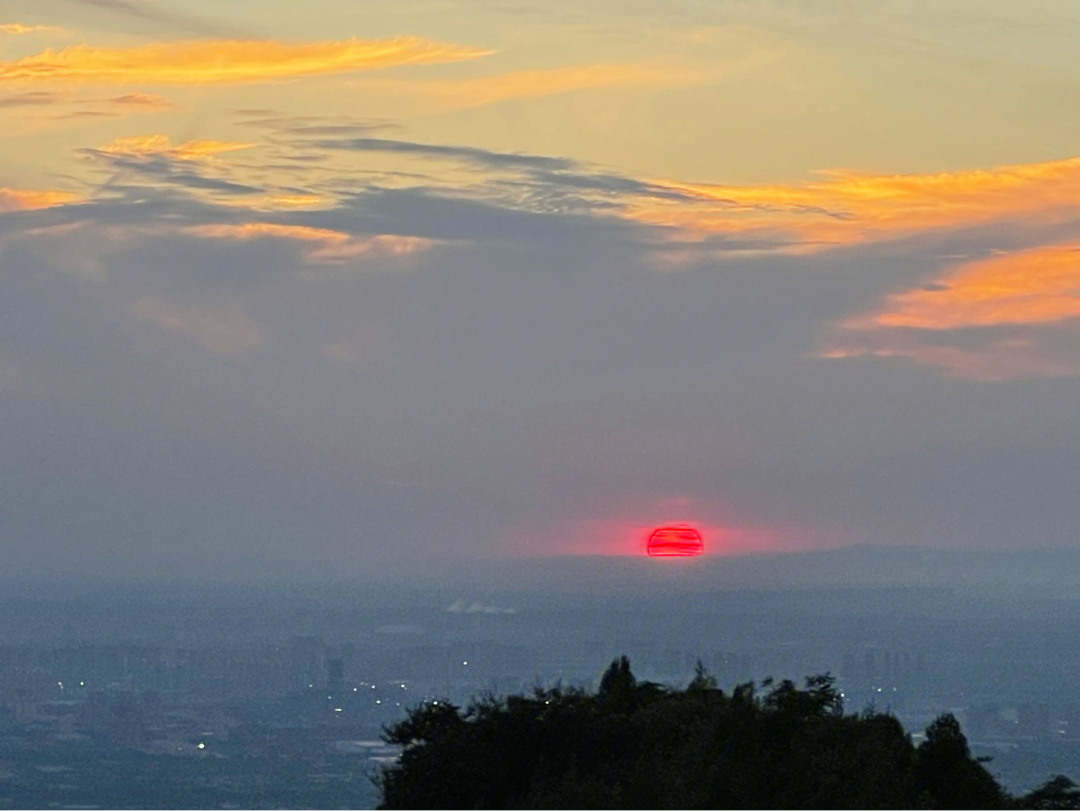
(641, 745)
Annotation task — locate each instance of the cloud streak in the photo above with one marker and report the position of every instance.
(28, 199)
(1012, 315)
(148, 12)
(223, 331)
(523, 84)
(847, 208)
(844, 209)
(331, 247)
(158, 144)
(19, 29)
(226, 61)
(1036, 286)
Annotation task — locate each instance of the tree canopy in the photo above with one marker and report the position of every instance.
(638, 744)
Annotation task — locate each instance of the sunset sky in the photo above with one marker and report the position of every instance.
(302, 289)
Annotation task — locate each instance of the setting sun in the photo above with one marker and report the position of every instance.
(675, 541)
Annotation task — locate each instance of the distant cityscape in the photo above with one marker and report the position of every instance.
(199, 704)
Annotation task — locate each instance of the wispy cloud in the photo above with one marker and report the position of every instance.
(226, 61)
(537, 182)
(988, 319)
(845, 208)
(331, 247)
(32, 107)
(481, 90)
(155, 161)
(19, 28)
(158, 144)
(35, 98)
(142, 100)
(468, 154)
(850, 207)
(28, 199)
(148, 12)
(985, 358)
(299, 164)
(1035, 286)
(222, 330)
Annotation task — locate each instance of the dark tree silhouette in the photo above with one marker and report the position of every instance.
(946, 771)
(1060, 792)
(641, 745)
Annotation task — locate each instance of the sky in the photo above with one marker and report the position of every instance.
(309, 289)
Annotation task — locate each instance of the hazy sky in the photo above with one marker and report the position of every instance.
(301, 288)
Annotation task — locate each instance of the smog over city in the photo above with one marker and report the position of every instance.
(357, 357)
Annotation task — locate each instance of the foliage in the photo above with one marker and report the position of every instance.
(1060, 792)
(641, 745)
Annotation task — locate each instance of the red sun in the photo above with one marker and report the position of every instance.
(675, 542)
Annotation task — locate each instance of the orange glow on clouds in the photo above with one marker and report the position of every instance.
(26, 199)
(296, 200)
(139, 145)
(1041, 285)
(1026, 289)
(254, 230)
(850, 207)
(334, 246)
(226, 61)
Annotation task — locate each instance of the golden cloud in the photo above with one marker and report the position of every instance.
(226, 61)
(1036, 286)
(333, 246)
(849, 207)
(1017, 292)
(26, 199)
(158, 144)
(295, 200)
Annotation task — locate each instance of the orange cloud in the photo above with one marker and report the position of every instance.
(254, 230)
(333, 246)
(295, 200)
(1018, 292)
(849, 207)
(478, 91)
(25, 199)
(1028, 287)
(223, 331)
(140, 145)
(226, 61)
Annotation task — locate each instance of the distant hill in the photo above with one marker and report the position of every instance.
(1041, 572)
